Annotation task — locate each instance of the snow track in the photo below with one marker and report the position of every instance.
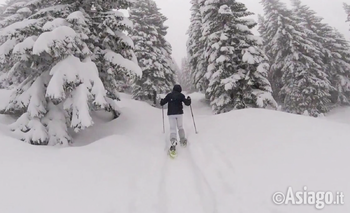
(184, 185)
(183, 188)
(218, 172)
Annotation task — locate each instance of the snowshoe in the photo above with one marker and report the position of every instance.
(183, 142)
(172, 150)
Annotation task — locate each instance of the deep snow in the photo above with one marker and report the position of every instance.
(235, 164)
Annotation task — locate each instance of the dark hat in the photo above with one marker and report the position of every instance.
(177, 88)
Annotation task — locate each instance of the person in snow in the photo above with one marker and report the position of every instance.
(175, 113)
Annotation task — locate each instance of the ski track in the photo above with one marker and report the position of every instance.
(209, 198)
(217, 170)
(162, 192)
(193, 182)
(181, 187)
(179, 179)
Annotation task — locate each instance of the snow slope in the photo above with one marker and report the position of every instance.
(235, 164)
(340, 114)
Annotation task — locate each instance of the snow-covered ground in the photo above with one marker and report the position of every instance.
(235, 164)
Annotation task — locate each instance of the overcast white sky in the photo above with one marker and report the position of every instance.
(178, 13)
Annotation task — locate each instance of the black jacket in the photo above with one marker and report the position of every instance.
(174, 100)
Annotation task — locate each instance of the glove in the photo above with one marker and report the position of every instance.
(188, 98)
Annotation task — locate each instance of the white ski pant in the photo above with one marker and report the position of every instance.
(176, 121)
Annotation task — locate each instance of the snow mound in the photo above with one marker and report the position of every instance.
(57, 22)
(251, 154)
(78, 17)
(6, 48)
(72, 71)
(13, 28)
(26, 44)
(47, 40)
(117, 59)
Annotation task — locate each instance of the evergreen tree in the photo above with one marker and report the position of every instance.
(334, 49)
(11, 12)
(261, 25)
(195, 47)
(185, 76)
(152, 50)
(347, 11)
(340, 67)
(63, 56)
(237, 68)
(262, 30)
(296, 62)
(176, 68)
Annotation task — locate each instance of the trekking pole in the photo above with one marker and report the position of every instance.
(163, 119)
(194, 123)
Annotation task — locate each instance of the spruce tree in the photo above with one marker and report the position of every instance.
(195, 47)
(261, 25)
(347, 11)
(296, 62)
(185, 76)
(177, 69)
(58, 49)
(334, 50)
(340, 66)
(237, 68)
(11, 12)
(262, 30)
(152, 50)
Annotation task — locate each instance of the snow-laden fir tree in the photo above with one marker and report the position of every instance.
(152, 50)
(177, 69)
(347, 11)
(195, 47)
(262, 30)
(114, 50)
(59, 48)
(184, 75)
(334, 49)
(170, 65)
(11, 12)
(296, 62)
(261, 25)
(237, 67)
(340, 67)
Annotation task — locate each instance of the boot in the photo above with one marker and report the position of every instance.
(172, 150)
(183, 142)
(173, 144)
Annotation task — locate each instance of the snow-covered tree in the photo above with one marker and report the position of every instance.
(237, 67)
(11, 12)
(185, 78)
(177, 69)
(261, 25)
(296, 62)
(65, 50)
(347, 11)
(334, 49)
(339, 58)
(195, 47)
(152, 50)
